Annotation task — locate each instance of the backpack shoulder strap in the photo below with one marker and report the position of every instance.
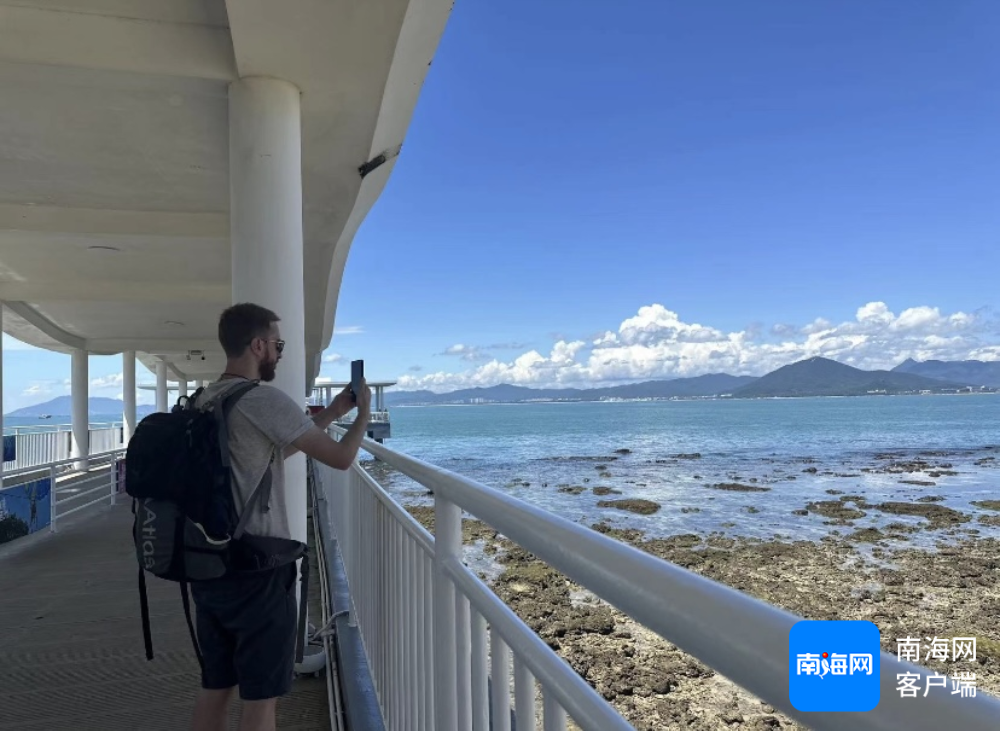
(263, 487)
(227, 400)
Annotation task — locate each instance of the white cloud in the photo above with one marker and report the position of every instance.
(110, 381)
(657, 344)
(37, 388)
(466, 353)
(349, 330)
(332, 358)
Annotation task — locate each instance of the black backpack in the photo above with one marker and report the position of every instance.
(186, 528)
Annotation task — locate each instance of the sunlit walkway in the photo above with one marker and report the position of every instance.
(71, 652)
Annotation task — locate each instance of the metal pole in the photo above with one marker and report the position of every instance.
(447, 545)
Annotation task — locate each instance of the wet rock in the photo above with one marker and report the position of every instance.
(602, 490)
(600, 467)
(835, 510)
(604, 474)
(687, 456)
(635, 505)
(919, 482)
(623, 451)
(834, 492)
(800, 512)
(939, 516)
(752, 509)
(690, 509)
(990, 520)
(930, 499)
(991, 505)
(630, 536)
(859, 501)
(811, 470)
(868, 535)
(742, 487)
(572, 489)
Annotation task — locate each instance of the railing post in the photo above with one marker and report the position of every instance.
(52, 499)
(114, 478)
(447, 546)
(463, 668)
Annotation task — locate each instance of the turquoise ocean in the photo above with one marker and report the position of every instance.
(801, 450)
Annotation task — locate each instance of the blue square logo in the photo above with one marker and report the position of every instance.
(833, 665)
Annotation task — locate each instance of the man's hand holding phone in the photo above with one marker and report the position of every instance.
(359, 388)
(364, 399)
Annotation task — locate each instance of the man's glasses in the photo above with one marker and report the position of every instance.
(278, 344)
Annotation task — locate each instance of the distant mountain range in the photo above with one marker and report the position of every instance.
(698, 386)
(63, 407)
(982, 373)
(812, 377)
(824, 377)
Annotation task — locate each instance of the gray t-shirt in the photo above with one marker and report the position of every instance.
(263, 423)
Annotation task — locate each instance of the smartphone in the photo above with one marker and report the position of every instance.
(357, 378)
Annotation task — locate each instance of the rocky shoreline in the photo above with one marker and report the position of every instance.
(949, 592)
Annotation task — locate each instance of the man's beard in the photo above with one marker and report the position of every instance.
(267, 370)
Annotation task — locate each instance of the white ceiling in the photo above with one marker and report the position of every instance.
(114, 186)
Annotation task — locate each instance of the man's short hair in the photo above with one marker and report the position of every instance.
(241, 323)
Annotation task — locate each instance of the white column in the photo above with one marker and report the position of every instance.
(161, 386)
(265, 225)
(182, 388)
(80, 390)
(128, 394)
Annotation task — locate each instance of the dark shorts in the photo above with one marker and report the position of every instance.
(246, 630)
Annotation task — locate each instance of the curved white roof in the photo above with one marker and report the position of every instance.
(114, 186)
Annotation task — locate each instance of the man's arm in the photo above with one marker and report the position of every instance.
(341, 405)
(319, 445)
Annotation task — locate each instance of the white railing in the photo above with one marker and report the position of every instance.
(423, 614)
(105, 439)
(375, 417)
(40, 446)
(391, 568)
(71, 491)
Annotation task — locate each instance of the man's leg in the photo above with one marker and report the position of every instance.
(211, 709)
(259, 715)
(265, 647)
(218, 647)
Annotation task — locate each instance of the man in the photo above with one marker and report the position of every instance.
(247, 625)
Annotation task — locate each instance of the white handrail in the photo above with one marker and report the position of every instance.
(34, 449)
(388, 557)
(100, 479)
(67, 462)
(744, 639)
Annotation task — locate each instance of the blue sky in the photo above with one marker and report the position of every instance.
(593, 192)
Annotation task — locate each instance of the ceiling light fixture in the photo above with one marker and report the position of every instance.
(103, 248)
(173, 322)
